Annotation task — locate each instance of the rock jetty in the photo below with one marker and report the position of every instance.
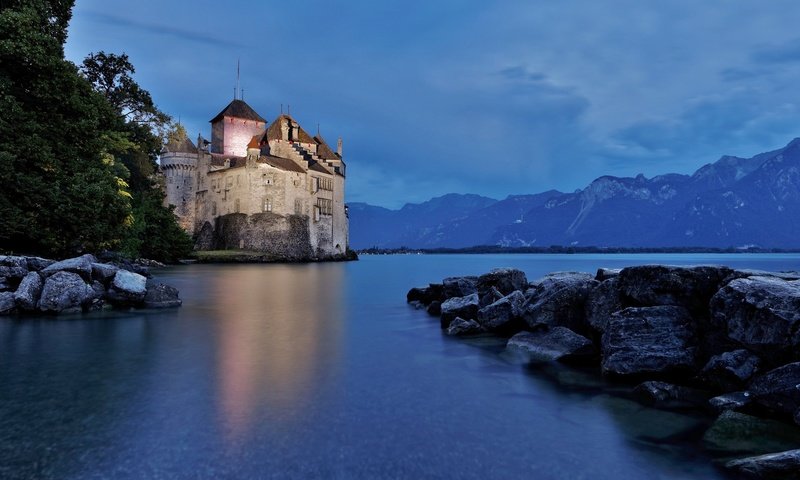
(40, 286)
(711, 337)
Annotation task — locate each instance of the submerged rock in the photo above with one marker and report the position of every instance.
(648, 341)
(667, 395)
(435, 308)
(735, 433)
(555, 344)
(772, 466)
(159, 295)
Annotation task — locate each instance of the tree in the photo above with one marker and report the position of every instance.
(154, 232)
(59, 194)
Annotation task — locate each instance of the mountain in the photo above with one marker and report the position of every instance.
(733, 202)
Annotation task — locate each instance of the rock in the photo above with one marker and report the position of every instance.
(505, 280)
(490, 297)
(435, 308)
(37, 264)
(29, 291)
(7, 303)
(730, 370)
(160, 295)
(555, 344)
(689, 287)
(127, 289)
(667, 395)
(649, 340)
(425, 295)
(464, 307)
(559, 300)
(778, 389)
(737, 433)
(604, 274)
(602, 302)
(459, 327)
(773, 466)
(746, 273)
(762, 314)
(503, 315)
(4, 285)
(730, 401)
(458, 286)
(65, 292)
(81, 265)
(104, 273)
(13, 267)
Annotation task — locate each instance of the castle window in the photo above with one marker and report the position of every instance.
(325, 206)
(214, 209)
(267, 204)
(236, 205)
(298, 206)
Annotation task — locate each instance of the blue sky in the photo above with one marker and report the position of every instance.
(495, 98)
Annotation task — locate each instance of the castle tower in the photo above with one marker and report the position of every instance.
(233, 127)
(179, 164)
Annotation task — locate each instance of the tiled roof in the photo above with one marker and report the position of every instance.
(239, 109)
(183, 146)
(218, 160)
(324, 151)
(282, 163)
(274, 131)
(317, 167)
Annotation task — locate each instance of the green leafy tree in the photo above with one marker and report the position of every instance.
(59, 193)
(154, 232)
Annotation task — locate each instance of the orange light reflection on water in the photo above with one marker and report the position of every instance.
(279, 334)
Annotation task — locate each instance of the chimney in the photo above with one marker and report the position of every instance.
(339, 146)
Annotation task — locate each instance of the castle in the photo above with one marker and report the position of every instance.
(273, 189)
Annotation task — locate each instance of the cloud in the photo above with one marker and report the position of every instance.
(787, 52)
(164, 30)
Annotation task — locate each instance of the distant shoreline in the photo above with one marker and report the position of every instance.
(568, 250)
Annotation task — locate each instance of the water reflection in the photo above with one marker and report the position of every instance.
(279, 340)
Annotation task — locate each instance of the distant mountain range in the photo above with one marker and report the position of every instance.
(733, 202)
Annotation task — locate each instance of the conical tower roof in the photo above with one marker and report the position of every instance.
(239, 109)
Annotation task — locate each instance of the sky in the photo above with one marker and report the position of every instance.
(488, 97)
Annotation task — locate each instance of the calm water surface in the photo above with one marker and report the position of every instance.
(321, 371)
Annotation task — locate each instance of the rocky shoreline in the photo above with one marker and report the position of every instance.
(33, 285)
(710, 337)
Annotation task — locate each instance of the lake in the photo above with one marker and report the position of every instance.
(322, 371)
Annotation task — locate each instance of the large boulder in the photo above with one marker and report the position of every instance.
(5, 286)
(505, 280)
(127, 289)
(503, 315)
(762, 314)
(159, 295)
(104, 273)
(458, 286)
(29, 291)
(7, 303)
(65, 292)
(559, 299)
(730, 371)
(778, 389)
(554, 344)
(13, 267)
(649, 340)
(36, 264)
(464, 307)
(602, 302)
(772, 466)
(460, 327)
(688, 287)
(80, 265)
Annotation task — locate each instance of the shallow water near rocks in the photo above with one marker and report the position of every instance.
(323, 371)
